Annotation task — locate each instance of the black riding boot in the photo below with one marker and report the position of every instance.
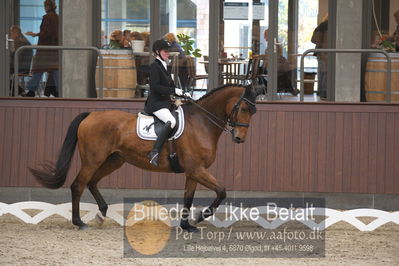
(154, 153)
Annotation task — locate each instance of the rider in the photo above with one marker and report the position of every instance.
(158, 102)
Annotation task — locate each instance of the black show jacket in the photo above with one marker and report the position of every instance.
(161, 87)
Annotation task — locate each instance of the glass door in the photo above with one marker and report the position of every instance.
(282, 50)
(6, 12)
(285, 50)
(242, 43)
(249, 44)
(291, 31)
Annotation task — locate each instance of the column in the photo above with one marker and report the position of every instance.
(76, 31)
(348, 36)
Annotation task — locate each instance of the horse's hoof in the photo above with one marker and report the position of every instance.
(188, 227)
(83, 227)
(191, 229)
(99, 218)
(199, 218)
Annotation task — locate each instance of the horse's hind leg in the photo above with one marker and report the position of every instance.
(77, 189)
(112, 163)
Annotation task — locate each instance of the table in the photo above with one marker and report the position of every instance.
(229, 69)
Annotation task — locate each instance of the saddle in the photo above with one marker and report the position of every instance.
(148, 126)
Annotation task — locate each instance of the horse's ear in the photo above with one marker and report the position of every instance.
(250, 92)
(250, 96)
(259, 89)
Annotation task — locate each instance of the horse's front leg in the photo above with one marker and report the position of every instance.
(202, 176)
(189, 192)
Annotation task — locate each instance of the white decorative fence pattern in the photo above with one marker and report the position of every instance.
(115, 212)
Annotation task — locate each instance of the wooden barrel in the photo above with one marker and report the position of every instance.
(120, 77)
(309, 79)
(376, 77)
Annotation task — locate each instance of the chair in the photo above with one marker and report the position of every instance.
(284, 84)
(192, 76)
(206, 65)
(251, 75)
(262, 76)
(230, 70)
(21, 87)
(241, 78)
(25, 60)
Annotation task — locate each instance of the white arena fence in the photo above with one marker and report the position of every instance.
(115, 212)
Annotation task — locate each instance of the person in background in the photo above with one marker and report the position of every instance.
(45, 60)
(116, 40)
(25, 56)
(266, 37)
(158, 102)
(174, 45)
(126, 39)
(320, 38)
(284, 71)
(146, 37)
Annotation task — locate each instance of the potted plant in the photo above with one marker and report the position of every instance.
(187, 43)
(386, 43)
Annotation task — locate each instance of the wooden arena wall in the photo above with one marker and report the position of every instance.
(307, 147)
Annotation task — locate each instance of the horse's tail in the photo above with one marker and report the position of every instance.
(54, 176)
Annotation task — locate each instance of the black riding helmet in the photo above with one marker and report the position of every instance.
(160, 45)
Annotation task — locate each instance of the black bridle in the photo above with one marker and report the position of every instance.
(233, 114)
(231, 122)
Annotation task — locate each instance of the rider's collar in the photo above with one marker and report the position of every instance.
(163, 62)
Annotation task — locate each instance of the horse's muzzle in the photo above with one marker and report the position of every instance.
(235, 138)
(238, 140)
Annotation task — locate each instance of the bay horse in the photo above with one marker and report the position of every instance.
(108, 139)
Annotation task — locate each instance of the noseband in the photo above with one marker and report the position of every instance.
(231, 122)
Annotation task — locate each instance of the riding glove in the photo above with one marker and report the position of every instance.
(178, 92)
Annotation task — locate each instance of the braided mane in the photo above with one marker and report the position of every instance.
(249, 95)
(218, 89)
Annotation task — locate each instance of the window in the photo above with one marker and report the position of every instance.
(133, 15)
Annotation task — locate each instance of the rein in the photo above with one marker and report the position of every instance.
(211, 117)
(229, 124)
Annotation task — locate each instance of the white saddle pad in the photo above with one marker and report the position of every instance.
(146, 128)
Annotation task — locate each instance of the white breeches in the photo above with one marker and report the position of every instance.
(165, 116)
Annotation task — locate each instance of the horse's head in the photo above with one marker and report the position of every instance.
(240, 112)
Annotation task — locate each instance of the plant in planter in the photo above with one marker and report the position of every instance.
(186, 43)
(387, 44)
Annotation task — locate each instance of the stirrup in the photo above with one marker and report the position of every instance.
(154, 157)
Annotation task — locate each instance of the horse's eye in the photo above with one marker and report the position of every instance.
(244, 110)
